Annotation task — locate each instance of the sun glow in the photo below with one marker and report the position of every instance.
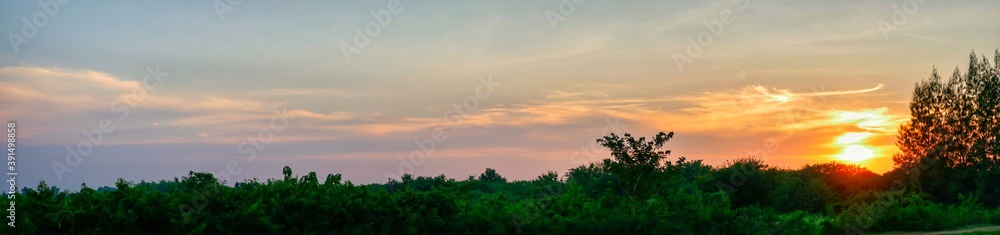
(856, 152)
(854, 149)
(871, 120)
(852, 137)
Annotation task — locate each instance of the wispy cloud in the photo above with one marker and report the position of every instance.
(744, 112)
(74, 99)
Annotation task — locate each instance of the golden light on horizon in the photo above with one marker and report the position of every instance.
(859, 145)
(854, 148)
(856, 153)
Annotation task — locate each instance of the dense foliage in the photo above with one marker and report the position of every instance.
(945, 178)
(951, 146)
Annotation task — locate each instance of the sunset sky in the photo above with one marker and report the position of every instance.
(792, 82)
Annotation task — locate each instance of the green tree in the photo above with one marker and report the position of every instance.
(748, 180)
(951, 144)
(491, 176)
(637, 162)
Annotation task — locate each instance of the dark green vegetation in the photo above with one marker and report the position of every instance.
(946, 177)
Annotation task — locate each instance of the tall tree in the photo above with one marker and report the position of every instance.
(952, 142)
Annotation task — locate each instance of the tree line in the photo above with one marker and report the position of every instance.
(944, 177)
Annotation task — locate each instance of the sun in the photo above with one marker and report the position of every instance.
(856, 153)
(854, 148)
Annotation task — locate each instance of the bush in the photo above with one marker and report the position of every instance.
(801, 222)
(914, 212)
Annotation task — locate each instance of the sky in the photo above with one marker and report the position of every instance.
(145, 90)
